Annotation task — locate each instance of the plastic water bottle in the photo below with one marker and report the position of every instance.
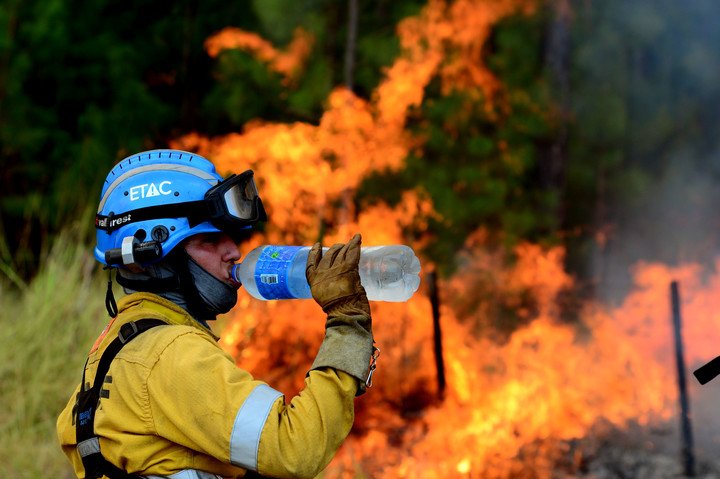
(388, 273)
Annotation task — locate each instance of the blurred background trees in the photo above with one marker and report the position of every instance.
(603, 141)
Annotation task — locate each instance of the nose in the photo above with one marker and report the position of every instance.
(229, 250)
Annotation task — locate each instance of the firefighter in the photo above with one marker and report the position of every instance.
(158, 396)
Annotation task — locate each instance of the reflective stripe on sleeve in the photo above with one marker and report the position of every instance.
(248, 426)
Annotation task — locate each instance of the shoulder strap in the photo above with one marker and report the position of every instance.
(88, 445)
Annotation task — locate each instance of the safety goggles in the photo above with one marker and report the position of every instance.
(233, 204)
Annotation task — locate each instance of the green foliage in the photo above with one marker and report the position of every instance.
(279, 18)
(245, 89)
(81, 87)
(306, 99)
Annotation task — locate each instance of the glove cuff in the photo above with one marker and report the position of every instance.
(351, 305)
(347, 347)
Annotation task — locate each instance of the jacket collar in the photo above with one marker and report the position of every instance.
(147, 305)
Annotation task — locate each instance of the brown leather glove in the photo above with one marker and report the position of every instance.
(334, 278)
(335, 284)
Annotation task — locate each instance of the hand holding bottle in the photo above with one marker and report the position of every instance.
(334, 278)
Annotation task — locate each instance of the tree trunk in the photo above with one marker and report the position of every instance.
(351, 43)
(552, 170)
(347, 209)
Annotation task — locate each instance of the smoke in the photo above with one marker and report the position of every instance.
(646, 96)
(673, 220)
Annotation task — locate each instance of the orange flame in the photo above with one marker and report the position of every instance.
(510, 409)
(646, 314)
(512, 405)
(288, 63)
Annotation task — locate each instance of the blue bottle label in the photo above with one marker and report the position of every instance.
(271, 271)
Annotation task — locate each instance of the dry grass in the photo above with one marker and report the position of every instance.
(46, 329)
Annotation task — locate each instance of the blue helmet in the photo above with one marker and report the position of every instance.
(153, 200)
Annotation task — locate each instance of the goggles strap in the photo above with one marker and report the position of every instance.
(195, 211)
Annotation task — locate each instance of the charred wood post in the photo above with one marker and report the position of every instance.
(685, 426)
(351, 42)
(437, 333)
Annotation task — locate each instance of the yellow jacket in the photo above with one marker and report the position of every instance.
(177, 406)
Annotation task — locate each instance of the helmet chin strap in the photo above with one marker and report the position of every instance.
(110, 303)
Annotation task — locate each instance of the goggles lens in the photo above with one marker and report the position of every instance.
(240, 200)
(236, 202)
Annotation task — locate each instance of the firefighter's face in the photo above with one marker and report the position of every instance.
(215, 252)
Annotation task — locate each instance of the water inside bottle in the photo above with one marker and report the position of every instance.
(396, 272)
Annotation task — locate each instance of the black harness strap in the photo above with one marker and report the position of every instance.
(88, 444)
